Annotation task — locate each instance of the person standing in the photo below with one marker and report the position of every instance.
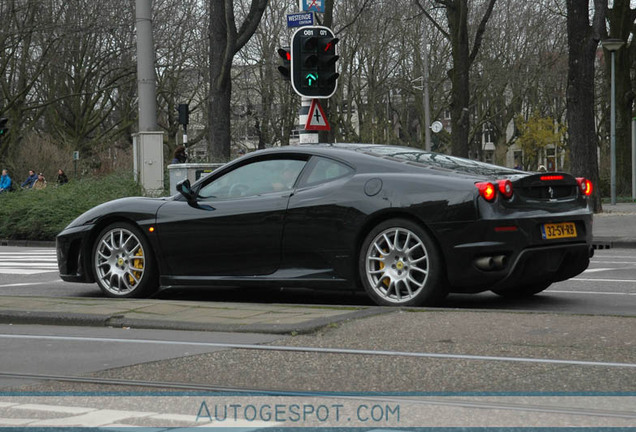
(179, 155)
(62, 179)
(28, 183)
(40, 183)
(5, 181)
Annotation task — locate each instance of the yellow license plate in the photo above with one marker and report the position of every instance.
(558, 230)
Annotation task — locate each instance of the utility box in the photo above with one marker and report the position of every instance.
(190, 171)
(148, 161)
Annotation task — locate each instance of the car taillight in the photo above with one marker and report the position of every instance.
(585, 185)
(505, 188)
(488, 190)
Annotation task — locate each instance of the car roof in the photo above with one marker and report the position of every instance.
(412, 157)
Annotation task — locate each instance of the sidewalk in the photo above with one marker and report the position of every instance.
(178, 315)
(616, 226)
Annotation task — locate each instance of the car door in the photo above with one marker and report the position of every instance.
(235, 228)
(319, 217)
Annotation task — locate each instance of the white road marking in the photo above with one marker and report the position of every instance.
(591, 292)
(92, 417)
(13, 285)
(28, 262)
(602, 280)
(599, 270)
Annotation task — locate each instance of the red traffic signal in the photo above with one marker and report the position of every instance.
(285, 67)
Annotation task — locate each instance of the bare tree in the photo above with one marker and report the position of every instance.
(457, 13)
(522, 73)
(583, 39)
(621, 19)
(225, 41)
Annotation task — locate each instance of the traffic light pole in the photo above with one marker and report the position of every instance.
(306, 136)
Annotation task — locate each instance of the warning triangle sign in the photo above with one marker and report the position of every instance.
(316, 119)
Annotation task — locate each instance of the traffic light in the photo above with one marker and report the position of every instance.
(3, 126)
(285, 67)
(314, 62)
(184, 114)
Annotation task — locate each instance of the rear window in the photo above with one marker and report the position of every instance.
(437, 160)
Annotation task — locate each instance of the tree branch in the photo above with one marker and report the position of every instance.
(479, 36)
(250, 24)
(432, 20)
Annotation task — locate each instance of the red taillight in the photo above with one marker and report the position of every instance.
(487, 191)
(505, 188)
(585, 185)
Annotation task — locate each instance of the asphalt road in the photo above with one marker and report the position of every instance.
(608, 287)
(572, 349)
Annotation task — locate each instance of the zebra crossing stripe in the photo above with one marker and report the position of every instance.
(28, 263)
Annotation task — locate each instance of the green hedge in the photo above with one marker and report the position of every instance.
(42, 214)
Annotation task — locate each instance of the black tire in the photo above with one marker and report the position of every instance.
(400, 265)
(123, 262)
(523, 291)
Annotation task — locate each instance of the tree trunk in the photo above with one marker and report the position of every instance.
(225, 41)
(621, 24)
(460, 120)
(583, 40)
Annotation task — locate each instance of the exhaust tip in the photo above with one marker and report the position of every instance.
(490, 263)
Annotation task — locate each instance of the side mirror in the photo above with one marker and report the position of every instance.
(185, 189)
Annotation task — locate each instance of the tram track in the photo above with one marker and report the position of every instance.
(461, 400)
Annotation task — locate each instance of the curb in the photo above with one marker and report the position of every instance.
(613, 242)
(121, 321)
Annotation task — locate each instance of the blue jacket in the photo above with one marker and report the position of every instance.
(30, 180)
(5, 182)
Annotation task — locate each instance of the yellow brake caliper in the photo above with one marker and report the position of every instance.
(386, 280)
(138, 264)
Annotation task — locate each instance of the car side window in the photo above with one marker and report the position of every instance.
(256, 178)
(325, 170)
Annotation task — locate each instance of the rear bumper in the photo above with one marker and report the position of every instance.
(523, 257)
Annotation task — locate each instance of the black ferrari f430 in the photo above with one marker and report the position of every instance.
(405, 225)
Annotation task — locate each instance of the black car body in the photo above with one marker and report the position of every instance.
(407, 225)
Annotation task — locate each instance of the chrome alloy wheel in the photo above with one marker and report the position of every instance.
(397, 265)
(120, 261)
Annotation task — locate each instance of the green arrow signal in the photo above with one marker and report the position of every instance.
(310, 78)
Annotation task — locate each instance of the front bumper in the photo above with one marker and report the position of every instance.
(72, 252)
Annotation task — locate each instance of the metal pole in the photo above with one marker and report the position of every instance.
(148, 143)
(613, 135)
(305, 136)
(633, 158)
(146, 67)
(427, 107)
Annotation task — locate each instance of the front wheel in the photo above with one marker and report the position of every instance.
(401, 266)
(123, 262)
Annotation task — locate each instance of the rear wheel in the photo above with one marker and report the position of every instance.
(400, 265)
(123, 262)
(523, 291)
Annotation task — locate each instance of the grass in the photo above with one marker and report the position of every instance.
(42, 214)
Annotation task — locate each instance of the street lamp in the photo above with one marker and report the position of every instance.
(613, 45)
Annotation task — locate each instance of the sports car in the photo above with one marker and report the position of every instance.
(406, 225)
